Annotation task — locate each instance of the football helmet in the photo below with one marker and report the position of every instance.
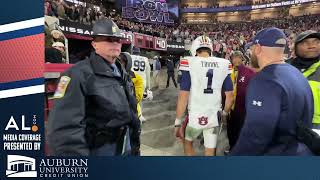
(201, 42)
(148, 95)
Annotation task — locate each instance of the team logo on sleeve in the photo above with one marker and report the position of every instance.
(203, 121)
(242, 79)
(62, 86)
(257, 103)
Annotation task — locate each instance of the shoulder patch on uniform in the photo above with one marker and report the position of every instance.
(62, 86)
(184, 65)
(184, 62)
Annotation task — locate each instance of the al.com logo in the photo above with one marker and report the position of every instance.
(12, 124)
(21, 166)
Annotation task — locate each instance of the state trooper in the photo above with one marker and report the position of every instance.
(93, 107)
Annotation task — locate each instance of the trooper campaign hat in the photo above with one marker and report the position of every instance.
(107, 28)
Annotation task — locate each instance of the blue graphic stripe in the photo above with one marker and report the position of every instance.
(22, 33)
(20, 10)
(205, 168)
(20, 84)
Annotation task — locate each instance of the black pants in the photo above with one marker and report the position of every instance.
(235, 124)
(135, 132)
(171, 75)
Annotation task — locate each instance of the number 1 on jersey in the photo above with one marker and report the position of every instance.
(209, 89)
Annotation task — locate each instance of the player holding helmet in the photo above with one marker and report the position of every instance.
(141, 66)
(203, 78)
(136, 85)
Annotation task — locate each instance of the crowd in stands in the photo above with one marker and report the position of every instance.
(231, 36)
(227, 36)
(215, 4)
(293, 24)
(75, 12)
(89, 14)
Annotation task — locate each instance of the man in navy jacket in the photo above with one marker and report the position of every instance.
(277, 97)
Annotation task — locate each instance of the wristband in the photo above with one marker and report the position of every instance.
(224, 113)
(177, 122)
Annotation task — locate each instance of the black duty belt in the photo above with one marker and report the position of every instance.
(97, 137)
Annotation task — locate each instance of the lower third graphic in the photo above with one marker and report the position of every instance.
(21, 166)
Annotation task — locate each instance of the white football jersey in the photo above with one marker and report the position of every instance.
(207, 77)
(141, 66)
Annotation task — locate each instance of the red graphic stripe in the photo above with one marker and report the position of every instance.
(22, 58)
(184, 62)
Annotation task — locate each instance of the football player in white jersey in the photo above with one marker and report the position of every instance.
(202, 81)
(141, 66)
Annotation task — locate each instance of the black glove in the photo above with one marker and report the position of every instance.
(307, 136)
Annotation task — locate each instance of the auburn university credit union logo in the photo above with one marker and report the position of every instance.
(21, 166)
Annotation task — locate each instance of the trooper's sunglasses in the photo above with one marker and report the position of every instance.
(109, 39)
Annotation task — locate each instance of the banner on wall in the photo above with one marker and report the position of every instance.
(151, 11)
(149, 42)
(279, 4)
(174, 46)
(74, 27)
(160, 43)
(245, 7)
